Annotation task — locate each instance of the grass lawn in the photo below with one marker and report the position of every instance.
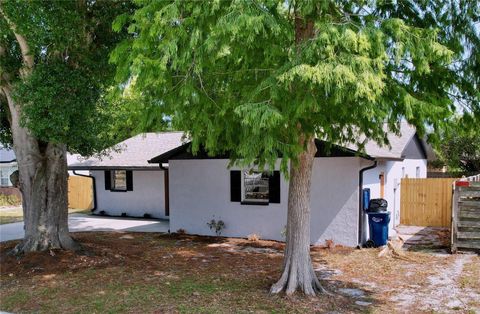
(15, 213)
(154, 273)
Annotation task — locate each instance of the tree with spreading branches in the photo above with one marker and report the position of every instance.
(260, 80)
(54, 75)
(460, 151)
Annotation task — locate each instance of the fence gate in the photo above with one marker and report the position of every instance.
(426, 202)
(80, 192)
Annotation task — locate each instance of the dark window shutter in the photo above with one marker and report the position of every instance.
(108, 180)
(235, 186)
(274, 187)
(129, 180)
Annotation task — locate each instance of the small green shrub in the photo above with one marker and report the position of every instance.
(216, 226)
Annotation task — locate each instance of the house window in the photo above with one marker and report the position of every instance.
(417, 171)
(5, 176)
(119, 180)
(255, 186)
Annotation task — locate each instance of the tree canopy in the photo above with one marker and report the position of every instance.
(460, 151)
(54, 83)
(63, 97)
(234, 76)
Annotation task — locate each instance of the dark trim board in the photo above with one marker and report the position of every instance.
(8, 162)
(255, 203)
(183, 152)
(167, 192)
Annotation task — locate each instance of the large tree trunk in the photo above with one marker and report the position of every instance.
(298, 271)
(42, 170)
(43, 184)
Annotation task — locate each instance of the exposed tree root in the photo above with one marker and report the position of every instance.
(296, 276)
(43, 244)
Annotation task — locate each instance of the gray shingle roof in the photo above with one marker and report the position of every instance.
(397, 143)
(134, 152)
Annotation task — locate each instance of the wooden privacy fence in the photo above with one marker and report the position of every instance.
(80, 192)
(466, 217)
(426, 202)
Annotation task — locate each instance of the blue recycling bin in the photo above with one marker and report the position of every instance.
(378, 224)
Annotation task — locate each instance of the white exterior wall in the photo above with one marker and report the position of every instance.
(393, 171)
(148, 195)
(200, 191)
(335, 200)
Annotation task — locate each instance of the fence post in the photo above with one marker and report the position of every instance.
(454, 218)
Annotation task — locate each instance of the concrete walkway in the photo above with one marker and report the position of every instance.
(81, 222)
(424, 238)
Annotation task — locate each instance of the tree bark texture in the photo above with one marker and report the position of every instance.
(298, 271)
(43, 183)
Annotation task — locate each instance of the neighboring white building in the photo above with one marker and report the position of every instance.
(125, 183)
(8, 165)
(193, 190)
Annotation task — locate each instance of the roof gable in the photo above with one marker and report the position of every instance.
(134, 152)
(398, 144)
(414, 149)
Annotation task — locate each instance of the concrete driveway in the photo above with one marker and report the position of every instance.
(80, 222)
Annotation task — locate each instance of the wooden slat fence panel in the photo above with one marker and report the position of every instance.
(466, 217)
(426, 202)
(80, 192)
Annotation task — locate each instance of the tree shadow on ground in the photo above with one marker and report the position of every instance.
(191, 273)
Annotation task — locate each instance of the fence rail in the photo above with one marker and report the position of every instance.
(426, 202)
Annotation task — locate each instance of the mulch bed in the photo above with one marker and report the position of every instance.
(159, 273)
(189, 273)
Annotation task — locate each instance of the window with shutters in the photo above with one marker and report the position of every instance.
(255, 187)
(119, 180)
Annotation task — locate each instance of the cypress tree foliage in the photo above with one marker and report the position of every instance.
(54, 73)
(262, 79)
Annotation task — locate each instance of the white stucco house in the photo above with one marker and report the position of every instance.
(125, 183)
(157, 175)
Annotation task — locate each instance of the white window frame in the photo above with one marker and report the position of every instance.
(255, 200)
(113, 184)
(417, 172)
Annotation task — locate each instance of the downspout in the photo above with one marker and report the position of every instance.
(361, 214)
(166, 190)
(93, 186)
